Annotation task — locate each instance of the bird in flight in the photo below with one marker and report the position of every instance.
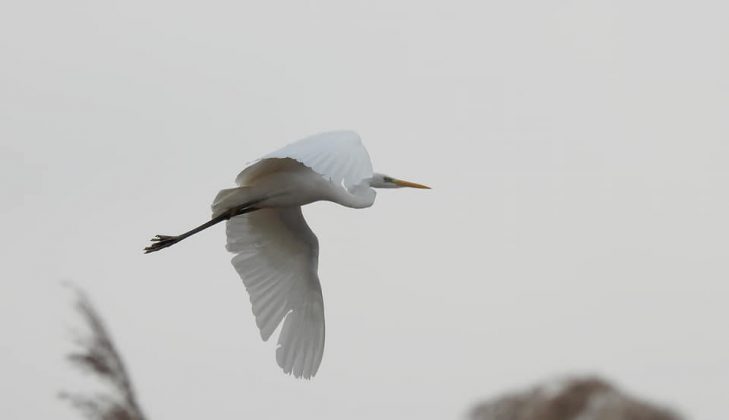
(276, 253)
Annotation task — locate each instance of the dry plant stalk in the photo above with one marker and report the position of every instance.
(99, 357)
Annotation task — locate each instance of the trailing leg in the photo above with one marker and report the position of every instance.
(164, 241)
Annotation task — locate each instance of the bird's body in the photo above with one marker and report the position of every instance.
(276, 251)
(285, 182)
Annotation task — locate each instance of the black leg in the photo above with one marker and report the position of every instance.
(164, 241)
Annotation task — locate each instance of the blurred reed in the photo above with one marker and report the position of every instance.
(98, 356)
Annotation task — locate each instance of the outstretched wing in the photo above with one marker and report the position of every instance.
(338, 156)
(277, 256)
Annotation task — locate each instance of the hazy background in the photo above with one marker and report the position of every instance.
(578, 222)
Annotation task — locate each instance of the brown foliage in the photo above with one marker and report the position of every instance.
(586, 398)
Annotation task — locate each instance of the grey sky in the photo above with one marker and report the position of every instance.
(578, 222)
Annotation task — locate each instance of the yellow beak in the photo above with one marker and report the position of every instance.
(409, 184)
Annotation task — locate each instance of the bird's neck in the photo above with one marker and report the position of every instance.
(357, 197)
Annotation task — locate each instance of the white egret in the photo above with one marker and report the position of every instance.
(276, 251)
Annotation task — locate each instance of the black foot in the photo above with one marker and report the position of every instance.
(160, 242)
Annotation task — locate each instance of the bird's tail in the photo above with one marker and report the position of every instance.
(230, 198)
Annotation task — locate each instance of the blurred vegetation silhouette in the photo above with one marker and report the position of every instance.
(579, 398)
(576, 398)
(99, 356)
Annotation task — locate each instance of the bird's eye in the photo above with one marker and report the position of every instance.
(387, 179)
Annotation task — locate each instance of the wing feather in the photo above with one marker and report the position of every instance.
(277, 257)
(338, 156)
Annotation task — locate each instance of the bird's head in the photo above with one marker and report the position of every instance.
(386, 181)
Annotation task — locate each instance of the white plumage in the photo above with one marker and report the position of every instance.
(338, 156)
(276, 253)
(277, 257)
